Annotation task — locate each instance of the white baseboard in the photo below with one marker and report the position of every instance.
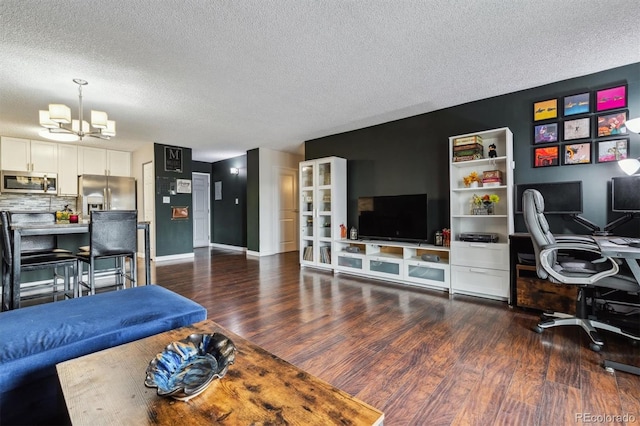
(228, 247)
(171, 257)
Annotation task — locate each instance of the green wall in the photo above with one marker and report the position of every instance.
(229, 217)
(411, 155)
(253, 200)
(172, 236)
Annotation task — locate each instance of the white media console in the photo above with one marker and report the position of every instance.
(394, 261)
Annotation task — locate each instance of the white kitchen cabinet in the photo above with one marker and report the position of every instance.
(99, 161)
(28, 156)
(68, 170)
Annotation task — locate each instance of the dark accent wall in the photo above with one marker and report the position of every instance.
(229, 218)
(172, 236)
(411, 155)
(200, 167)
(253, 200)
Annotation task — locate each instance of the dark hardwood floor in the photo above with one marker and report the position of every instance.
(418, 355)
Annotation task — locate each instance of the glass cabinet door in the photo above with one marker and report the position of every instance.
(306, 175)
(324, 174)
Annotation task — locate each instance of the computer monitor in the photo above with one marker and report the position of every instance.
(559, 197)
(625, 194)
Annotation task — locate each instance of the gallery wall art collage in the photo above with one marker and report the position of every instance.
(581, 128)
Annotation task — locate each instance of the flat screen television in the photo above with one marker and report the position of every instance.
(393, 217)
(625, 194)
(559, 197)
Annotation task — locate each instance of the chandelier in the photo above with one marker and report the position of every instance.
(59, 125)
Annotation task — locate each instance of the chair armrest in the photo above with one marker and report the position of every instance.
(548, 250)
(576, 238)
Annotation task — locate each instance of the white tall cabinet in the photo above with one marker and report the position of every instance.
(482, 268)
(323, 208)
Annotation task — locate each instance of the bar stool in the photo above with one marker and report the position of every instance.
(39, 253)
(112, 235)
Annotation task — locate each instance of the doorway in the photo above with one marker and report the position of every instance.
(287, 221)
(201, 208)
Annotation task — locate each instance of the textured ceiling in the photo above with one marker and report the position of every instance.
(223, 77)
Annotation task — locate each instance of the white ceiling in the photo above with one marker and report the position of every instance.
(223, 77)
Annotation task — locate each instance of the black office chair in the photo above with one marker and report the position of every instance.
(39, 252)
(573, 261)
(112, 235)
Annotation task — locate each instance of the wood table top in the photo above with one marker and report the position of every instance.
(107, 387)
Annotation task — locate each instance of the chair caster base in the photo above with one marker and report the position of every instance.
(537, 329)
(594, 347)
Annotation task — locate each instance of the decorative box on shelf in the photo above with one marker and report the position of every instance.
(467, 140)
(491, 178)
(476, 156)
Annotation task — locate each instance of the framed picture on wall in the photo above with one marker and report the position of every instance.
(613, 150)
(576, 104)
(545, 110)
(612, 98)
(545, 133)
(545, 156)
(577, 153)
(612, 124)
(579, 128)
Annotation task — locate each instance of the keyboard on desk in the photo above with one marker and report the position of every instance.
(624, 241)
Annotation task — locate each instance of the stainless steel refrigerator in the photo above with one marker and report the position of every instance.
(97, 192)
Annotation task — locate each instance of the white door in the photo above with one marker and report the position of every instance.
(200, 198)
(288, 210)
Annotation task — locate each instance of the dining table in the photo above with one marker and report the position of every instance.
(26, 229)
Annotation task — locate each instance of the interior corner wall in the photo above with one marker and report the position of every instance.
(229, 213)
(411, 155)
(141, 156)
(253, 200)
(173, 236)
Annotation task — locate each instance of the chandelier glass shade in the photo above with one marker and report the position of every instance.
(60, 126)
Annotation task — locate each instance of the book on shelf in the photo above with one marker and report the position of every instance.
(307, 254)
(466, 152)
(325, 254)
(467, 158)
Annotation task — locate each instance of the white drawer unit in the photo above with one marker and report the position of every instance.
(482, 255)
(350, 262)
(385, 267)
(484, 282)
(428, 274)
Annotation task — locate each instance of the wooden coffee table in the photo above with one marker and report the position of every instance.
(107, 387)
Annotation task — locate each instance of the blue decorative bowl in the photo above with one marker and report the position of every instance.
(186, 367)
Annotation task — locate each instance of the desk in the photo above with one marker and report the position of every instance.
(107, 387)
(630, 256)
(13, 299)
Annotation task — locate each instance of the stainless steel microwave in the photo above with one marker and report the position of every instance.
(29, 182)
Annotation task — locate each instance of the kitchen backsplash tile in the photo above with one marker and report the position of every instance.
(34, 202)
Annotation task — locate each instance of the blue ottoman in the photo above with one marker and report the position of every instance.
(34, 339)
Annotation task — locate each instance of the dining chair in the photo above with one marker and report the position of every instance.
(38, 253)
(112, 235)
